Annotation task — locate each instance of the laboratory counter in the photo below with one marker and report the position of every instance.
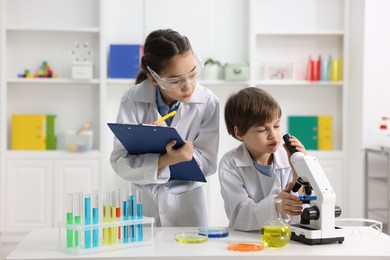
(358, 244)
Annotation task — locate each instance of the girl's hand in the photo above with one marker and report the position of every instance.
(184, 153)
(173, 156)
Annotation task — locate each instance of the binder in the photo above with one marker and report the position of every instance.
(28, 132)
(51, 139)
(325, 133)
(141, 139)
(124, 60)
(305, 128)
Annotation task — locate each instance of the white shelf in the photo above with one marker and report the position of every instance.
(300, 33)
(59, 154)
(121, 81)
(54, 29)
(297, 83)
(51, 81)
(223, 83)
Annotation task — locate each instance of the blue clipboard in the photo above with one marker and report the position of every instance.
(141, 139)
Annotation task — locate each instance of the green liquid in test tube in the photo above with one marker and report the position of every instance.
(69, 219)
(77, 202)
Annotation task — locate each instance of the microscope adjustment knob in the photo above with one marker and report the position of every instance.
(311, 213)
(337, 211)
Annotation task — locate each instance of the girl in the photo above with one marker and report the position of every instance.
(167, 82)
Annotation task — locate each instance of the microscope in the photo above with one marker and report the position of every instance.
(317, 224)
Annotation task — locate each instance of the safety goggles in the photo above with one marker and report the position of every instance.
(178, 82)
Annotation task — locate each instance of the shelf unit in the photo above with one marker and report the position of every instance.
(30, 35)
(299, 30)
(377, 186)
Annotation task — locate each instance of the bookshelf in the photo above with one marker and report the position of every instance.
(33, 34)
(292, 34)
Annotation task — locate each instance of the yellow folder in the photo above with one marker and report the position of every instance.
(325, 133)
(28, 132)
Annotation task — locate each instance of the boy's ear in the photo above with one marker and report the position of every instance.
(237, 134)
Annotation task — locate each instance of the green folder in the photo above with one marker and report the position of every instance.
(51, 139)
(305, 128)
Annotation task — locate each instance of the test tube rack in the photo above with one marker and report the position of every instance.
(104, 229)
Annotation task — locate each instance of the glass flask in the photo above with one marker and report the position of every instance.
(275, 232)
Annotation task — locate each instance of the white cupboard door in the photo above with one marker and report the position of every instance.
(73, 176)
(28, 190)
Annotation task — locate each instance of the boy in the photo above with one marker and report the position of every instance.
(258, 170)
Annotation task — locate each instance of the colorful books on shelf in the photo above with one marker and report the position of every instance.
(315, 132)
(33, 132)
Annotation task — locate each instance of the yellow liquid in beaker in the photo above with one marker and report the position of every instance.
(275, 236)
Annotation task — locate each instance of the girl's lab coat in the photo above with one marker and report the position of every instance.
(247, 193)
(170, 202)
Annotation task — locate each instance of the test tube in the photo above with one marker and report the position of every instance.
(118, 211)
(106, 217)
(77, 202)
(140, 229)
(69, 219)
(95, 218)
(87, 216)
(132, 212)
(125, 212)
(113, 230)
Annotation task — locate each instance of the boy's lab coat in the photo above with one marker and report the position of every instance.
(170, 202)
(247, 193)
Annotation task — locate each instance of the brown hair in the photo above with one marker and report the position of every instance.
(249, 107)
(160, 46)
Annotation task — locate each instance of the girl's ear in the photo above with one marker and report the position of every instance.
(237, 134)
(151, 79)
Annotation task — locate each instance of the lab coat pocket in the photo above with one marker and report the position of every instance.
(191, 207)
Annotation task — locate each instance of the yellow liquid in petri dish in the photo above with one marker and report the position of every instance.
(190, 238)
(275, 236)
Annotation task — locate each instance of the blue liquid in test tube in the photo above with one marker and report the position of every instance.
(87, 215)
(125, 213)
(140, 235)
(95, 218)
(132, 216)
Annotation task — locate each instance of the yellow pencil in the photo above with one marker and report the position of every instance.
(160, 120)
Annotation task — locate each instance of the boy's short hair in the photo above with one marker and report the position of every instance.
(249, 107)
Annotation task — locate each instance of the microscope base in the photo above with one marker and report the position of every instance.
(311, 236)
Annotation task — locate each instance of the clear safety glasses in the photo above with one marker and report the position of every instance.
(178, 82)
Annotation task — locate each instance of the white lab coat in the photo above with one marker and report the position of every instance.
(247, 193)
(170, 202)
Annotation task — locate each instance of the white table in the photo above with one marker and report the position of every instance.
(43, 244)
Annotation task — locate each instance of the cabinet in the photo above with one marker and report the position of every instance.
(286, 32)
(37, 185)
(377, 186)
(33, 183)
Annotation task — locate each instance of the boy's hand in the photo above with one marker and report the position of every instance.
(297, 144)
(291, 204)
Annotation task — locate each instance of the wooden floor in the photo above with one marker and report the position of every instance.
(5, 249)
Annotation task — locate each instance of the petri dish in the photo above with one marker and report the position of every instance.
(190, 238)
(246, 246)
(214, 232)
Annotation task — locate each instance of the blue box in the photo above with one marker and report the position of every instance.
(124, 61)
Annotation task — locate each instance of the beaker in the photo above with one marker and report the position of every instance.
(275, 232)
